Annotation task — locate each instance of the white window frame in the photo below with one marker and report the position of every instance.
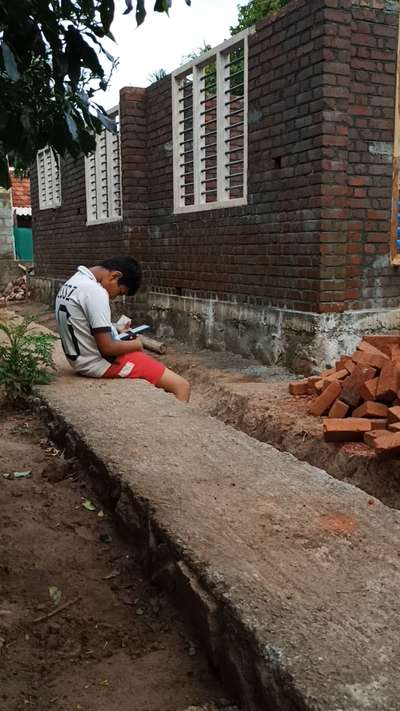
(195, 67)
(112, 213)
(49, 178)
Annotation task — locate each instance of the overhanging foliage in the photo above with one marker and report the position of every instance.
(52, 63)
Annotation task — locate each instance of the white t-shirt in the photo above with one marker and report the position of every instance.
(82, 309)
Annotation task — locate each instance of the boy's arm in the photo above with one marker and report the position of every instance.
(97, 311)
(109, 347)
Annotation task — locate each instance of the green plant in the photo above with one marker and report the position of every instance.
(53, 62)
(157, 75)
(26, 358)
(255, 10)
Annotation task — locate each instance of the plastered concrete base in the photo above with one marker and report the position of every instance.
(304, 342)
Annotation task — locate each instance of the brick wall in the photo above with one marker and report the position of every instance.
(360, 43)
(315, 233)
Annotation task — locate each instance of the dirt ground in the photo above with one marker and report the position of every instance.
(119, 645)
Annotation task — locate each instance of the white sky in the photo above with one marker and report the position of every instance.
(161, 41)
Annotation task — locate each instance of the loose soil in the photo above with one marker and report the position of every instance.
(121, 645)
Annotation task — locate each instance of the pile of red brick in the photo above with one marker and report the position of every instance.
(360, 395)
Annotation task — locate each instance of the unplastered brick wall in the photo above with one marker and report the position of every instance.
(360, 48)
(371, 281)
(267, 250)
(314, 235)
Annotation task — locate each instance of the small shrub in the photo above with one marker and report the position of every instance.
(26, 359)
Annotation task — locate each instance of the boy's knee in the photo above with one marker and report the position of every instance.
(184, 389)
(174, 383)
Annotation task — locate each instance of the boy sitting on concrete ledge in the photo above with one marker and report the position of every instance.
(84, 323)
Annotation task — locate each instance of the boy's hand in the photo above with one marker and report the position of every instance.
(136, 344)
(109, 347)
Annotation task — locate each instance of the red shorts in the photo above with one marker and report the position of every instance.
(136, 365)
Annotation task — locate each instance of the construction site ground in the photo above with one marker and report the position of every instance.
(289, 576)
(121, 645)
(255, 399)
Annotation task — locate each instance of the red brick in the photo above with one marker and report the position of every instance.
(341, 363)
(345, 430)
(383, 343)
(388, 384)
(325, 400)
(394, 427)
(372, 436)
(353, 384)
(311, 382)
(336, 375)
(367, 347)
(379, 423)
(393, 414)
(374, 359)
(387, 445)
(371, 409)
(349, 365)
(327, 373)
(339, 409)
(298, 387)
(321, 385)
(368, 389)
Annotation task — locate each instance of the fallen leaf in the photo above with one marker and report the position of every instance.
(101, 514)
(88, 505)
(113, 574)
(140, 611)
(22, 475)
(55, 594)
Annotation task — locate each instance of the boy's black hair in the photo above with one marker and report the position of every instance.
(131, 272)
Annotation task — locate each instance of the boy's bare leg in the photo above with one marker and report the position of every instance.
(173, 383)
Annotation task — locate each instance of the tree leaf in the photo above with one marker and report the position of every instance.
(10, 65)
(162, 5)
(140, 12)
(129, 7)
(22, 475)
(78, 51)
(71, 123)
(109, 123)
(106, 14)
(88, 505)
(5, 181)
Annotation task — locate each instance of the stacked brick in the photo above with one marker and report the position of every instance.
(360, 396)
